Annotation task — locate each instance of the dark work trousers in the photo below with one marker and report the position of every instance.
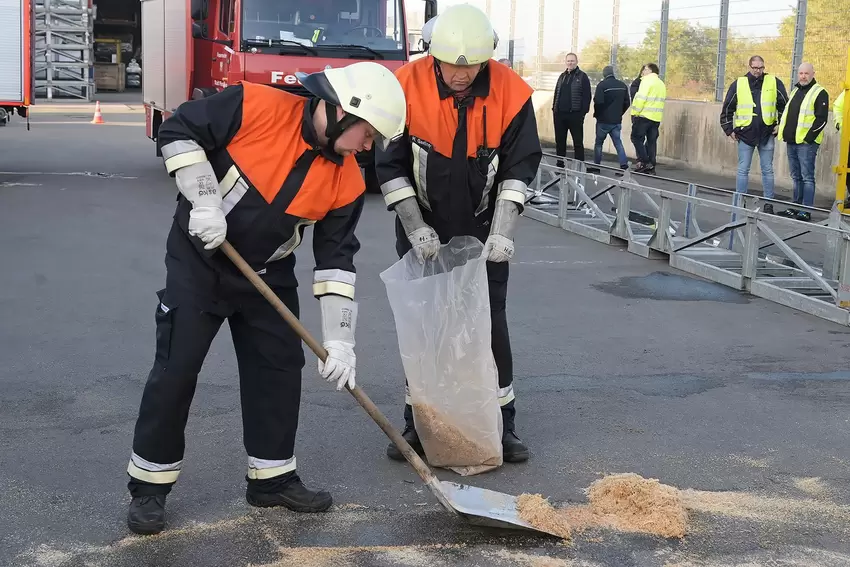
(645, 139)
(189, 314)
(497, 282)
(571, 123)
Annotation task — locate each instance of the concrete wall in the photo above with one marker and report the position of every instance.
(691, 136)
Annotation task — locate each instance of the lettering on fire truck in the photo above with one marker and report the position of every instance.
(278, 76)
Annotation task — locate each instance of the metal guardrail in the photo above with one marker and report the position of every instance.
(713, 233)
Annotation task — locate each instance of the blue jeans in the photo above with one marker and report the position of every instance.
(745, 160)
(801, 160)
(603, 131)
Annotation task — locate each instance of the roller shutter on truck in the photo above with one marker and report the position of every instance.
(12, 50)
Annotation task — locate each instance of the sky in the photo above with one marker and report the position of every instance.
(753, 18)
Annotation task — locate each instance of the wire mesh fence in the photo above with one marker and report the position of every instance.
(826, 40)
(702, 46)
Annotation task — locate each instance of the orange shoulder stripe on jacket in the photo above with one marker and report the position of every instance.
(435, 120)
(327, 187)
(269, 140)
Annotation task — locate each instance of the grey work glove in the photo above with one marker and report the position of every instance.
(423, 238)
(499, 246)
(197, 182)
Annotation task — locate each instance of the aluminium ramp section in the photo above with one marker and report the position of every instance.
(12, 50)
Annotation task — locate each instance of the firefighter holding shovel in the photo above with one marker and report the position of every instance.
(257, 165)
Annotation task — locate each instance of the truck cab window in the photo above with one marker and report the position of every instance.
(225, 17)
(332, 24)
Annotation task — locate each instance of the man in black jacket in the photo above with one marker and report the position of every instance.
(802, 128)
(750, 116)
(610, 103)
(570, 106)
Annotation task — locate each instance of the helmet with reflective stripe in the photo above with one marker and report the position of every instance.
(366, 91)
(462, 35)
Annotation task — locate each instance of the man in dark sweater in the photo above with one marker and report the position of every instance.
(802, 128)
(610, 103)
(750, 117)
(570, 106)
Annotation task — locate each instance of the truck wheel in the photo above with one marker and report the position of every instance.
(4, 116)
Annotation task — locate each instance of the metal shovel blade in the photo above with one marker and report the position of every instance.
(488, 508)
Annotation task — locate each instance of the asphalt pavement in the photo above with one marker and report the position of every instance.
(622, 365)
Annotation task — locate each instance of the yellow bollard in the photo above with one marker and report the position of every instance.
(841, 195)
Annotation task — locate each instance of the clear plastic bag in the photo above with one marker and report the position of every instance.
(442, 317)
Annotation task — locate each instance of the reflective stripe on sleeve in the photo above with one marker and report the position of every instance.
(396, 190)
(182, 153)
(513, 190)
(337, 282)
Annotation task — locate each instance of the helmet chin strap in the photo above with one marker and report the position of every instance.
(336, 128)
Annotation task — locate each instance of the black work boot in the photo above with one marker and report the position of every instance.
(147, 514)
(412, 439)
(513, 449)
(287, 491)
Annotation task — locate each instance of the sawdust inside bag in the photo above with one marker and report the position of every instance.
(450, 443)
(441, 310)
(625, 502)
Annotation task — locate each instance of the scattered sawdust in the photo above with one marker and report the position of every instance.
(765, 508)
(408, 555)
(751, 462)
(195, 528)
(529, 560)
(351, 506)
(538, 512)
(448, 446)
(813, 486)
(625, 502)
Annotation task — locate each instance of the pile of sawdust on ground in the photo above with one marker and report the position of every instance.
(639, 504)
(538, 512)
(408, 555)
(447, 445)
(626, 502)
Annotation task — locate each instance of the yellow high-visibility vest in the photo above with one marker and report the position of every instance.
(838, 110)
(745, 109)
(806, 118)
(650, 98)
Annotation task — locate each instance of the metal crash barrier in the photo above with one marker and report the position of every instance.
(713, 233)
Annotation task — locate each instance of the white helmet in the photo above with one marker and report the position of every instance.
(462, 35)
(365, 90)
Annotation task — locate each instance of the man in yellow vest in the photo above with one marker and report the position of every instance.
(750, 116)
(802, 127)
(838, 117)
(648, 97)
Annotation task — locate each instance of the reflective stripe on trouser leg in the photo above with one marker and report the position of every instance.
(506, 395)
(270, 360)
(262, 469)
(183, 336)
(154, 473)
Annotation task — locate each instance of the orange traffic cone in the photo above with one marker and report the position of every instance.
(98, 117)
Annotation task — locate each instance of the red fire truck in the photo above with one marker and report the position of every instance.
(194, 48)
(16, 58)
